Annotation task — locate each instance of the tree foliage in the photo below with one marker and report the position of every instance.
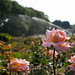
(18, 25)
(64, 24)
(22, 24)
(5, 8)
(8, 7)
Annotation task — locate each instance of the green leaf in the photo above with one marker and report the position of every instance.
(70, 73)
(66, 64)
(44, 61)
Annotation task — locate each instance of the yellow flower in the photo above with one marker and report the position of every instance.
(8, 73)
(1, 67)
(1, 43)
(6, 60)
(7, 47)
(0, 54)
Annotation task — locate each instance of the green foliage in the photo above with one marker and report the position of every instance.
(18, 55)
(18, 9)
(18, 25)
(64, 24)
(37, 55)
(5, 8)
(44, 61)
(8, 7)
(66, 64)
(6, 37)
(70, 73)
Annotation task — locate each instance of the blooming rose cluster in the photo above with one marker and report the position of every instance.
(57, 39)
(19, 65)
(72, 61)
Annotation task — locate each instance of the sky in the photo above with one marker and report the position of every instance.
(63, 10)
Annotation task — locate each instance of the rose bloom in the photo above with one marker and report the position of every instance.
(72, 61)
(73, 43)
(56, 38)
(32, 43)
(51, 53)
(68, 38)
(19, 65)
(7, 47)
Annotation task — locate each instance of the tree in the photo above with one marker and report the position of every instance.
(5, 8)
(64, 24)
(57, 22)
(17, 9)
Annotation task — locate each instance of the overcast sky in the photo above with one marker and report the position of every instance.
(63, 10)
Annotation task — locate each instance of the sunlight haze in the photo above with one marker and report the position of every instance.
(63, 10)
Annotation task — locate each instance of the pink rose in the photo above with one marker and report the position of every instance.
(32, 43)
(73, 43)
(56, 38)
(51, 53)
(9, 45)
(59, 36)
(19, 65)
(72, 61)
(67, 38)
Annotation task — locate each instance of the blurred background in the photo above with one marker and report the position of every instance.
(33, 17)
